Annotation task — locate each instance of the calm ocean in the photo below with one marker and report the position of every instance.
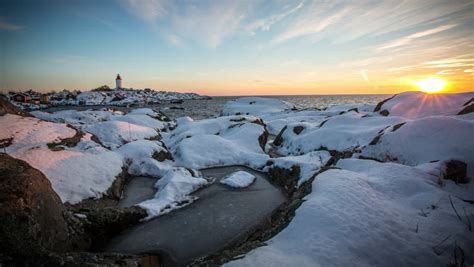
(201, 109)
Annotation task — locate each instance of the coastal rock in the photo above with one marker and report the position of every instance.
(162, 155)
(287, 178)
(102, 223)
(33, 220)
(8, 108)
(467, 109)
(414, 105)
(456, 171)
(425, 140)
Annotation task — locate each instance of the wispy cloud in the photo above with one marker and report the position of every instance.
(180, 23)
(408, 39)
(8, 26)
(311, 23)
(148, 10)
(265, 24)
(363, 73)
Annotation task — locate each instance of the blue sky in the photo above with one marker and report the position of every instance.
(236, 47)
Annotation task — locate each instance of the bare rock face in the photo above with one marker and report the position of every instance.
(467, 109)
(162, 155)
(286, 178)
(33, 220)
(279, 138)
(456, 171)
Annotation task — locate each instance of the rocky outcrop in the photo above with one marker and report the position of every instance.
(162, 155)
(285, 178)
(36, 229)
(103, 223)
(68, 142)
(380, 104)
(33, 220)
(467, 109)
(279, 138)
(8, 108)
(456, 171)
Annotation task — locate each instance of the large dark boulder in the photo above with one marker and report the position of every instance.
(456, 171)
(33, 220)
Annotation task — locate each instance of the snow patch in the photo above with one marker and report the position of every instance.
(239, 179)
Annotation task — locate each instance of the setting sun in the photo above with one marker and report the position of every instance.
(431, 85)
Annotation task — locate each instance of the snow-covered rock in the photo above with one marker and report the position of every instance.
(255, 106)
(174, 191)
(345, 132)
(141, 158)
(414, 105)
(223, 141)
(424, 140)
(113, 134)
(309, 164)
(239, 179)
(76, 118)
(370, 214)
(77, 173)
(276, 121)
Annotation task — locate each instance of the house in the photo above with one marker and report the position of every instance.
(44, 98)
(35, 99)
(22, 98)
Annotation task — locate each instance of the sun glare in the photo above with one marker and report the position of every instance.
(431, 85)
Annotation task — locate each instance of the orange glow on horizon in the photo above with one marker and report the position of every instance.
(431, 85)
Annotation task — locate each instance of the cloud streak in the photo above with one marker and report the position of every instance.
(8, 26)
(408, 39)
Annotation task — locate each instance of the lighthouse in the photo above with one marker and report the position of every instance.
(118, 82)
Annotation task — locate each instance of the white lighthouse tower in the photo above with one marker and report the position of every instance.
(118, 82)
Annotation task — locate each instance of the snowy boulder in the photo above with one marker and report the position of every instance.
(276, 121)
(424, 140)
(239, 179)
(32, 217)
(86, 170)
(75, 117)
(292, 171)
(342, 108)
(370, 214)
(342, 133)
(113, 134)
(146, 158)
(414, 105)
(255, 106)
(223, 141)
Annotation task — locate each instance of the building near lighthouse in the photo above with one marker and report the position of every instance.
(118, 82)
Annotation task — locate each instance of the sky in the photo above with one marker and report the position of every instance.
(242, 47)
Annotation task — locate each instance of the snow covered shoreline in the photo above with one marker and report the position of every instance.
(390, 186)
(109, 97)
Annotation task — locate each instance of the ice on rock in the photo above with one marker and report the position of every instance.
(174, 191)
